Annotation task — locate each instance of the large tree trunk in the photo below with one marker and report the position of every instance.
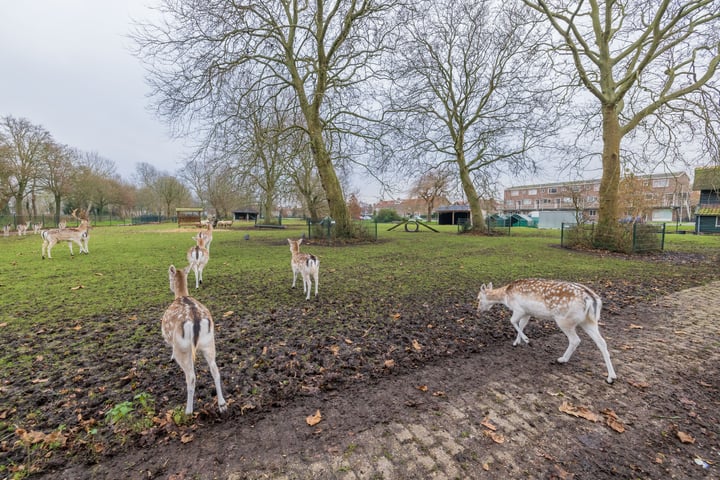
(608, 213)
(476, 216)
(58, 204)
(331, 184)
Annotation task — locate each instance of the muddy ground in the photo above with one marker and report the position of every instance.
(62, 420)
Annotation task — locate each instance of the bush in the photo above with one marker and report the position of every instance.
(387, 215)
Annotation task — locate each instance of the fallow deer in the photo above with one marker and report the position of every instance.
(569, 304)
(79, 235)
(307, 265)
(187, 326)
(198, 257)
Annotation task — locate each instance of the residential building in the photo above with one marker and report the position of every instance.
(657, 197)
(707, 214)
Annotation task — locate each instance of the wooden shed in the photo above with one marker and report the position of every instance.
(453, 214)
(707, 214)
(188, 216)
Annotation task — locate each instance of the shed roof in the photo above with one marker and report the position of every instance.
(707, 178)
(453, 208)
(709, 211)
(189, 209)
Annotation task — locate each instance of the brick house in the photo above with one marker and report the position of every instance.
(657, 197)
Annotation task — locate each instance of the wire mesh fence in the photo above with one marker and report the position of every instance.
(627, 237)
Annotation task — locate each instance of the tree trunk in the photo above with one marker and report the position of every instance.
(476, 216)
(608, 213)
(58, 203)
(331, 184)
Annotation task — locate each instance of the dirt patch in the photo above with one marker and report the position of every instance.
(364, 372)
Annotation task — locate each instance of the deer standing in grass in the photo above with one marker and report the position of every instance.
(206, 235)
(569, 304)
(79, 235)
(307, 265)
(198, 257)
(187, 326)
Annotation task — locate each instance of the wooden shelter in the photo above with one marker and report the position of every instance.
(188, 216)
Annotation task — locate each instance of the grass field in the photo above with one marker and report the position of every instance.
(91, 324)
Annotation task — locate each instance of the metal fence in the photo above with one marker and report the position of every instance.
(627, 237)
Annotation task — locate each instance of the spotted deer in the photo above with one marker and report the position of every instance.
(187, 326)
(22, 229)
(79, 235)
(307, 265)
(198, 257)
(569, 304)
(206, 234)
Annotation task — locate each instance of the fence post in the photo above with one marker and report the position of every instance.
(634, 237)
(562, 234)
(662, 239)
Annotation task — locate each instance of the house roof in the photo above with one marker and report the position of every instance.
(707, 178)
(651, 176)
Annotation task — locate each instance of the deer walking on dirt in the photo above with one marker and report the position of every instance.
(187, 326)
(569, 304)
(307, 265)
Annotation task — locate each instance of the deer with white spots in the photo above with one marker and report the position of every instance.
(79, 235)
(569, 304)
(206, 234)
(198, 258)
(307, 265)
(187, 326)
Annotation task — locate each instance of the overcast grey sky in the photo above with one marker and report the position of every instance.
(66, 65)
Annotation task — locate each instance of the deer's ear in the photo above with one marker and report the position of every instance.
(172, 269)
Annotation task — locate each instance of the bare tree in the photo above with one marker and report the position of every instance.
(172, 192)
(647, 64)
(320, 51)
(467, 93)
(431, 187)
(23, 147)
(57, 174)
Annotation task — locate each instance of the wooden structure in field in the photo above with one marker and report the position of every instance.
(188, 216)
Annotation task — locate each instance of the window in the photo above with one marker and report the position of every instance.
(552, 190)
(514, 193)
(532, 192)
(567, 200)
(509, 203)
(717, 222)
(596, 187)
(527, 201)
(660, 183)
(592, 213)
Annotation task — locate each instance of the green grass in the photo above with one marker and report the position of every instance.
(126, 270)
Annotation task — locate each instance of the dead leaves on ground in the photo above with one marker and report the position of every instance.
(313, 420)
(491, 431)
(611, 418)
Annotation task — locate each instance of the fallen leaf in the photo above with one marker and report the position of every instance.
(496, 437)
(334, 349)
(639, 384)
(98, 274)
(77, 328)
(439, 393)
(685, 438)
(227, 314)
(612, 420)
(486, 467)
(40, 380)
(582, 412)
(77, 287)
(488, 424)
(313, 420)
(132, 317)
(396, 316)
(422, 388)
(4, 324)
(636, 327)
(389, 363)
(187, 438)
(348, 341)
(416, 345)
(702, 384)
